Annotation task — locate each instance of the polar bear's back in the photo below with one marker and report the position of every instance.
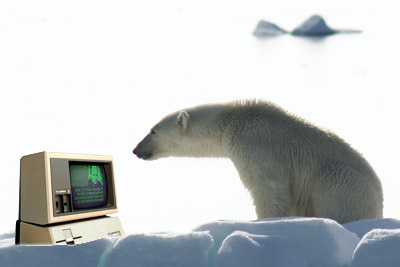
(266, 127)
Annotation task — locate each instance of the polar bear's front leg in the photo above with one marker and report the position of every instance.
(273, 201)
(272, 196)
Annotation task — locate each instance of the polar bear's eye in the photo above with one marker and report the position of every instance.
(152, 132)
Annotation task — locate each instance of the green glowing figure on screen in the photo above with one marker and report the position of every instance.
(94, 174)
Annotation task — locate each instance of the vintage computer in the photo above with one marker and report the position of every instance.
(66, 199)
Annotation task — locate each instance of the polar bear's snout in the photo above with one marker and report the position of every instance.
(143, 149)
(140, 153)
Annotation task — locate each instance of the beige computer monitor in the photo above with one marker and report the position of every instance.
(57, 189)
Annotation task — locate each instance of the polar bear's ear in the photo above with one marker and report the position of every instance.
(183, 119)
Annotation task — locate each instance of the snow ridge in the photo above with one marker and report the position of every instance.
(278, 242)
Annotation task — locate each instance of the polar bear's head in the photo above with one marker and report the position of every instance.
(166, 138)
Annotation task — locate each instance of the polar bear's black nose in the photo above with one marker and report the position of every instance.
(142, 154)
(135, 151)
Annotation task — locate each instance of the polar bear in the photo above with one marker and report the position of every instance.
(290, 166)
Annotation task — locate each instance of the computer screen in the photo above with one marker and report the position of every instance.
(88, 185)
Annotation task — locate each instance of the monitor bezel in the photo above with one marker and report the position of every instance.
(36, 190)
(65, 174)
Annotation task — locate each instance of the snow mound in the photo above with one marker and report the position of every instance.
(379, 247)
(166, 249)
(242, 249)
(277, 242)
(324, 242)
(87, 254)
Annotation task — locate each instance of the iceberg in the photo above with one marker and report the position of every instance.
(315, 26)
(265, 28)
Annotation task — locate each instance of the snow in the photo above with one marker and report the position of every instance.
(364, 226)
(379, 247)
(163, 249)
(314, 237)
(279, 242)
(241, 248)
(87, 254)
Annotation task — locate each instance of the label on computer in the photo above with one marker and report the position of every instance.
(114, 234)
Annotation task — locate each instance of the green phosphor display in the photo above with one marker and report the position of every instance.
(88, 185)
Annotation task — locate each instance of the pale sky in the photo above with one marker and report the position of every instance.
(94, 76)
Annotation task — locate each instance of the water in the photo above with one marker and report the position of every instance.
(93, 78)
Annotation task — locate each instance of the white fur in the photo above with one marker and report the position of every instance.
(290, 167)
